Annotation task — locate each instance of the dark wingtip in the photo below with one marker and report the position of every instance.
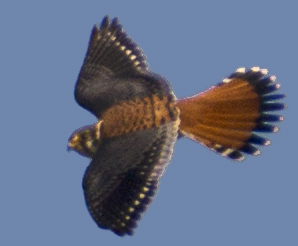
(115, 21)
(111, 47)
(105, 22)
(94, 36)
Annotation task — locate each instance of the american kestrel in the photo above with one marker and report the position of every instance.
(139, 120)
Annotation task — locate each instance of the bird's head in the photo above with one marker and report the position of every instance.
(85, 140)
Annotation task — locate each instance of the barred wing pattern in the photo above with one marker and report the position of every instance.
(115, 70)
(123, 177)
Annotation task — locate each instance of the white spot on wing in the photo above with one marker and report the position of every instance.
(273, 78)
(132, 57)
(267, 142)
(217, 146)
(255, 69)
(241, 70)
(226, 80)
(227, 151)
(264, 71)
(89, 144)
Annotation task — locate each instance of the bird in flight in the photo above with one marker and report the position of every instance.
(140, 119)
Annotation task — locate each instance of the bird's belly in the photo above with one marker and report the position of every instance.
(138, 114)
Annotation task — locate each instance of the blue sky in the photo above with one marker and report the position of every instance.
(204, 199)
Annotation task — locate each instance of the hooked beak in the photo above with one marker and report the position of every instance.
(69, 147)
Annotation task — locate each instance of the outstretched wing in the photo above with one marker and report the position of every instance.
(123, 176)
(114, 70)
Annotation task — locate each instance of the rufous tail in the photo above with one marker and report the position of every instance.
(225, 117)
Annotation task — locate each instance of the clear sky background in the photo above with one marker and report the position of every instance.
(204, 199)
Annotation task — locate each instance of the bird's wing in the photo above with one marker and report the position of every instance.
(123, 176)
(114, 70)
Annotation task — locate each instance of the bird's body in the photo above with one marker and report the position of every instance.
(139, 120)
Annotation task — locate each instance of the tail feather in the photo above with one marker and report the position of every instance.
(224, 117)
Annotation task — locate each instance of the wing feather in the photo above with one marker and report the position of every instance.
(114, 70)
(123, 177)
